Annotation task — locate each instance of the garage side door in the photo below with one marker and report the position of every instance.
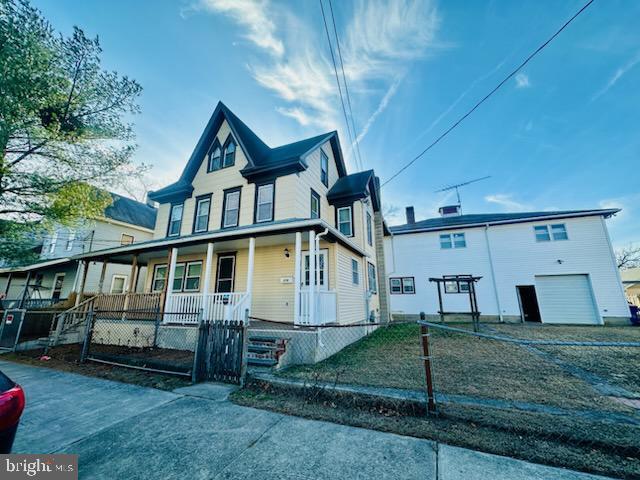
(566, 299)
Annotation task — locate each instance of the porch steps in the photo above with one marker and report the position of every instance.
(265, 351)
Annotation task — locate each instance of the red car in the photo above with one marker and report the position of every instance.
(11, 407)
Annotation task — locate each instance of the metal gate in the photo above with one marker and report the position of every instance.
(221, 352)
(10, 328)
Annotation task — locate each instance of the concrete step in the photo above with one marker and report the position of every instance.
(256, 348)
(261, 362)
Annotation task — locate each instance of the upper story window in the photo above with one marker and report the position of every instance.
(371, 276)
(452, 240)
(175, 220)
(229, 153)
(355, 273)
(264, 202)
(70, 239)
(369, 230)
(345, 221)
(215, 157)
(402, 285)
(126, 239)
(315, 205)
(201, 218)
(545, 233)
(231, 209)
(324, 168)
(52, 242)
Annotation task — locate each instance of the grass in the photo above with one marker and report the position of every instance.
(65, 358)
(477, 367)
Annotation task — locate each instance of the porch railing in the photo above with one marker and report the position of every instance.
(185, 307)
(325, 308)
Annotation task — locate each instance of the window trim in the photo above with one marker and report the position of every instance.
(122, 235)
(324, 252)
(222, 255)
(315, 195)
(369, 222)
(216, 143)
(174, 205)
(456, 279)
(224, 206)
(535, 233)
(224, 152)
(186, 276)
(402, 280)
(355, 274)
(324, 158)
(564, 229)
(154, 277)
(451, 236)
(124, 284)
(374, 290)
(350, 207)
(273, 201)
(200, 198)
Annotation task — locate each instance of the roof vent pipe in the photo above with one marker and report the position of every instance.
(411, 215)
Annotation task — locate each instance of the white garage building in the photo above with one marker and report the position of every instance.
(555, 267)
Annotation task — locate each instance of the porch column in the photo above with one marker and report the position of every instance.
(102, 274)
(25, 291)
(206, 287)
(312, 277)
(296, 279)
(252, 247)
(6, 289)
(170, 278)
(132, 286)
(83, 281)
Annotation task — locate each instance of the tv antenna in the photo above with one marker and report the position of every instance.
(458, 185)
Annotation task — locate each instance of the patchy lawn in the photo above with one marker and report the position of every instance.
(65, 357)
(476, 367)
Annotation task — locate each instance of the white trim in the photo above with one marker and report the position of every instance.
(124, 283)
(53, 285)
(233, 272)
(296, 278)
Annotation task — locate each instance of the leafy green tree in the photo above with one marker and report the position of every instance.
(64, 124)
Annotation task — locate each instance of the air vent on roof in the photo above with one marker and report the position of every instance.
(450, 211)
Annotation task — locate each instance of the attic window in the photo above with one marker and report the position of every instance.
(229, 153)
(324, 168)
(215, 158)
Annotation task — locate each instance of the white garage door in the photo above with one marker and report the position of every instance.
(566, 299)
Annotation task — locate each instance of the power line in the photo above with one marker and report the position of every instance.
(346, 87)
(486, 97)
(335, 69)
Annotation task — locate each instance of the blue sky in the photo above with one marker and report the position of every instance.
(564, 134)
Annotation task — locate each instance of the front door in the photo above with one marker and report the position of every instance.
(529, 303)
(323, 284)
(226, 273)
(58, 280)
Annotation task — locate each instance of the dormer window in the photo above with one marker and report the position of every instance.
(324, 168)
(229, 153)
(215, 157)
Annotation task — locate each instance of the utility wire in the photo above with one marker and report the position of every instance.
(335, 69)
(346, 88)
(486, 97)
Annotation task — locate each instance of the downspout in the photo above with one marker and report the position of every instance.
(326, 279)
(493, 273)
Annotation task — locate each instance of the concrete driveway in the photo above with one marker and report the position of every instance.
(125, 431)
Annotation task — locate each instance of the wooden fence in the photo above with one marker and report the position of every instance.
(221, 352)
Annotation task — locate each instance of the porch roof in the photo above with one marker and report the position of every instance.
(36, 266)
(125, 253)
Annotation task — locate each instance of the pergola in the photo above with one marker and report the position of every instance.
(468, 280)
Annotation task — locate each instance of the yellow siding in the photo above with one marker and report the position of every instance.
(351, 300)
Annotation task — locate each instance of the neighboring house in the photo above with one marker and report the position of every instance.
(553, 267)
(239, 228)
(56, 275)
(631, 283)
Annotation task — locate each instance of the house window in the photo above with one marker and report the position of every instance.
(70, 239)
(187, 277)
(231, 211)
(452, 240)
(225, 276)
(321, 267)
(369, 230)
(542, 233)
(215, 157)
(201, 219)
(371, 276)
(264, 203)
(178, 278)
(175, 220)
(456, 283)
(118, 284)
(315, 205)
(52, 242)
(355, 273)
(126, 239)
(402, 285)
(324, 168)
(229, 153)
(559, 232)
(159, 278)
(344, 221)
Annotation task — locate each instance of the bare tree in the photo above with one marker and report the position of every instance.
(628, 257)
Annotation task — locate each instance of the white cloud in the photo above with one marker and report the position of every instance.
(617, 76)
(381, 108)
(522, 80)
(507, 202)
(255, 16)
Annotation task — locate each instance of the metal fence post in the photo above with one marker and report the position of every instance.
(196, 353)
(156, 328)
(245, 348)
(87, 335)
(426, 357)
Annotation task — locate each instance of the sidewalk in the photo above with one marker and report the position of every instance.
(126, 431)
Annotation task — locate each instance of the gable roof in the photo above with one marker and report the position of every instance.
(355, 186)
(262, 159)
(130, 211)
(481, 219)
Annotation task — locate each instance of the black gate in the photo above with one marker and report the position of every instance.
(10, 328)
(221, 352)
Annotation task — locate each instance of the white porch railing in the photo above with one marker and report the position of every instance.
(326, 307)
(186, 307)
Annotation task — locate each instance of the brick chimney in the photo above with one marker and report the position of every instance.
(411, 215)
